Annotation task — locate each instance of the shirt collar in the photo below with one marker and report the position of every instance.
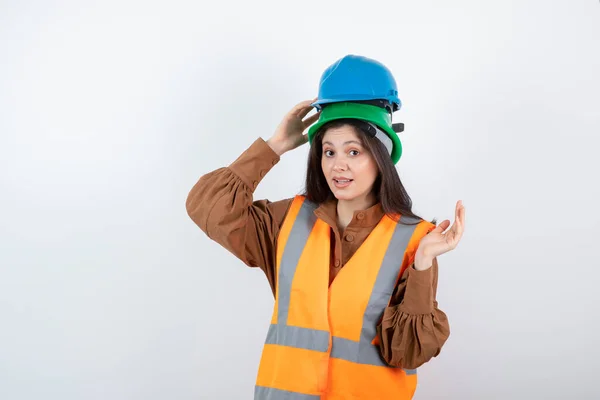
(368, 218)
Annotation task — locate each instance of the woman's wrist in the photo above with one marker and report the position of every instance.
(276, 147)
(422, 262)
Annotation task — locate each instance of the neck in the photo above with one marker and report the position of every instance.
(347, 208)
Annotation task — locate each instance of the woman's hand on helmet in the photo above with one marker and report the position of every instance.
(290, 132)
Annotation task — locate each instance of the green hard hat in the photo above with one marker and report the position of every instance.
(376, 115)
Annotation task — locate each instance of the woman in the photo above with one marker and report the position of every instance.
(352, 269)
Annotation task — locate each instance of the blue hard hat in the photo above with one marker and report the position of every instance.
(357, 78)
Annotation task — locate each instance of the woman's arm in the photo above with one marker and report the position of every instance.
(413, 329)
(221, 204)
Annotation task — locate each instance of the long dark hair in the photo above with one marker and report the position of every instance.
(387, 188)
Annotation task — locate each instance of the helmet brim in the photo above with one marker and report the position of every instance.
(376, 115)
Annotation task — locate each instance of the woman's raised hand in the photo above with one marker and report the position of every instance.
(290, 132)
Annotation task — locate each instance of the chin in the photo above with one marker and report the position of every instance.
(343, 196)
(340, 195)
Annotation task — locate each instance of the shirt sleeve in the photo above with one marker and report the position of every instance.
(413, 329)
(221, 204)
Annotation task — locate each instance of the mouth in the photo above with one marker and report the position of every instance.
(342, 183)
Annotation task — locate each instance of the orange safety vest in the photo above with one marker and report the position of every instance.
(321, 341)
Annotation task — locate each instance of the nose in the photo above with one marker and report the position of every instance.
(340, 166)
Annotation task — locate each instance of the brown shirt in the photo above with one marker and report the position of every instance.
(221, 203)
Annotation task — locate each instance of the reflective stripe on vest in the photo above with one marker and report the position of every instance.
(265, 393)
(359, 352)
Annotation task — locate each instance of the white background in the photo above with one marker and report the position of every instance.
(110, 112)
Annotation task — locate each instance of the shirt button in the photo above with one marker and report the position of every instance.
(337, 263)
(255, 183)
(349, 238)
(274, 162)
(360, 216)
(262, 173)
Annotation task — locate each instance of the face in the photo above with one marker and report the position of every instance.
(349, 168)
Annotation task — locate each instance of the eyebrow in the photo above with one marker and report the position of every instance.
(345, 143)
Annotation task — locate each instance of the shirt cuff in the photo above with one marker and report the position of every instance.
(254, 163)
(418, 298)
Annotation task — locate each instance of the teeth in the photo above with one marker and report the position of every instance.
(344, 181)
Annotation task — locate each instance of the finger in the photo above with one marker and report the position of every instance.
(456, 236)
(299, 108)
(458, 207)
(302, 106)
(311, 120)
(461, 219)
(458, 219)
(304, 139)
(451, 236)
(442, 226)
(456, 228)
(457, 213)
(304, 112)
(451, 230)
(460, 212)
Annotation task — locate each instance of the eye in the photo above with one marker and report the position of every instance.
(327, 151)
(356, 151)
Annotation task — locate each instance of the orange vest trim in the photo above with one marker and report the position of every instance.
(320, 341)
